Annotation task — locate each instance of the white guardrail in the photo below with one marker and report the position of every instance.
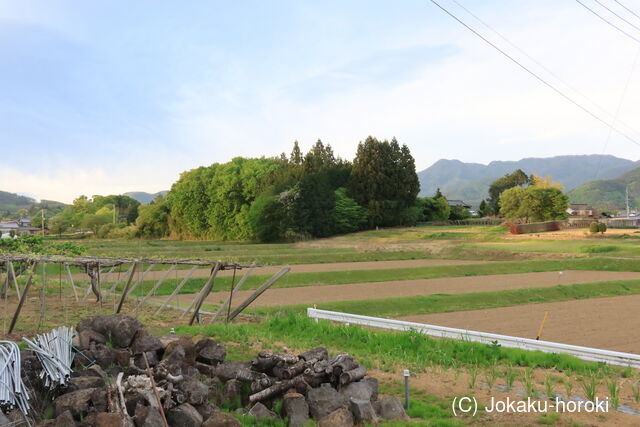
(584, 353)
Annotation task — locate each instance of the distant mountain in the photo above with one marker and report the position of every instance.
(144, 198)
(470, 181)
(610, 194)
(11, 204)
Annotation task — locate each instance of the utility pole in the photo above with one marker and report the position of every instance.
(627, 201)
(42, 221)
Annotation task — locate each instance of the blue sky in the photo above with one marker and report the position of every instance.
(108, 97)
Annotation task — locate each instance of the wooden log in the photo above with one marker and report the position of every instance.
(225, 306)
(5, 283)
(293, 370)
(126, 287)
(176, 290)
(155, 287)
(318, 353)
(259, 292)
(22, 299)
(206, 290)
(73, 286)
(155, 390)
(342, 363)
(353, 375)
(279, 388)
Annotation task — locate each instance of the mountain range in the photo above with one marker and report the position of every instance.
(470, 181)
(145, 198)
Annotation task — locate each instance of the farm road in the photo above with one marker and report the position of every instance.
(607, 323)
(406, 288)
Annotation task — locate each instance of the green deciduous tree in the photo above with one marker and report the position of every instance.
(348, 216)
(532, 204)
(515, 179)
(153, 219)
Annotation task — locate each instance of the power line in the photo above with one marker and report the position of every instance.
(549, 85)
(608, 22)
(622, 96)
(630, 11)
(614, 13)
(569, 86)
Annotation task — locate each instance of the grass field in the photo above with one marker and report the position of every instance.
(464, 367)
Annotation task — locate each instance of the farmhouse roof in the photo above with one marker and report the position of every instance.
(458, 203)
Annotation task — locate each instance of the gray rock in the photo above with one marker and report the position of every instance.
(76, 402)
(222, 419)
(210, 352)
(363, 411)
(184, 415)
(87, 336)
(232, 392)
(260, 411)
(3, 419)
(339, 418)
(146, 343)
(79, 383)
(147, 416)
(105, 419)
(65, 419)
(195, 392)
(296, 409)
(325, 400)
(390, 408)
(121, 328)
(207, 409)
(361, 390)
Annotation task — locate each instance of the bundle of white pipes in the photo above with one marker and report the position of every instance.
(55, 352)
(12, 390)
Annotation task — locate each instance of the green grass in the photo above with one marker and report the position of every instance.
(442, 303)
(431, 272)
(383, 350)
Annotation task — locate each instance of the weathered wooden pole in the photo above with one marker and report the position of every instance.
(22, 299)
(205, 292)
(227, 303)
(126, 287)
(176, 290)
(259, 292)
(73, 285)
(155, 287)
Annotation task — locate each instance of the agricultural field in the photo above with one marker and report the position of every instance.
(477, 278)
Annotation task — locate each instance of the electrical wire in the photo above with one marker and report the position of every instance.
(537, 77)
(551, 73)
(630, 11)
(608, 22)
(615, 14)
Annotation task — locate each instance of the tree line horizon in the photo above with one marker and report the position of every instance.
(301, 196)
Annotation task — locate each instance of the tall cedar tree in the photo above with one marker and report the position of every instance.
(384, 180)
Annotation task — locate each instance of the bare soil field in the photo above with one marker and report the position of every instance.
(570, 234)
(608, 323)
(315, 268)
(404, 288)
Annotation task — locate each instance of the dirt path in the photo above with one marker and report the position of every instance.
(310, 268)
(608, 323)
(405, 288)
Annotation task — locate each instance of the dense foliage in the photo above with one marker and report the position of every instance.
(37, 245)
(533, 204)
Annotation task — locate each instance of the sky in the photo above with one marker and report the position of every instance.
(105, 97)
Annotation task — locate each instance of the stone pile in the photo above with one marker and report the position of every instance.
(123, 376)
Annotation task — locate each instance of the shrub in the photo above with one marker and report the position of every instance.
(602, 227)
(594, 227)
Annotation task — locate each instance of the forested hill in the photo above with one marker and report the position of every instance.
(610, 194)
(13, 206)
(470, 181)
